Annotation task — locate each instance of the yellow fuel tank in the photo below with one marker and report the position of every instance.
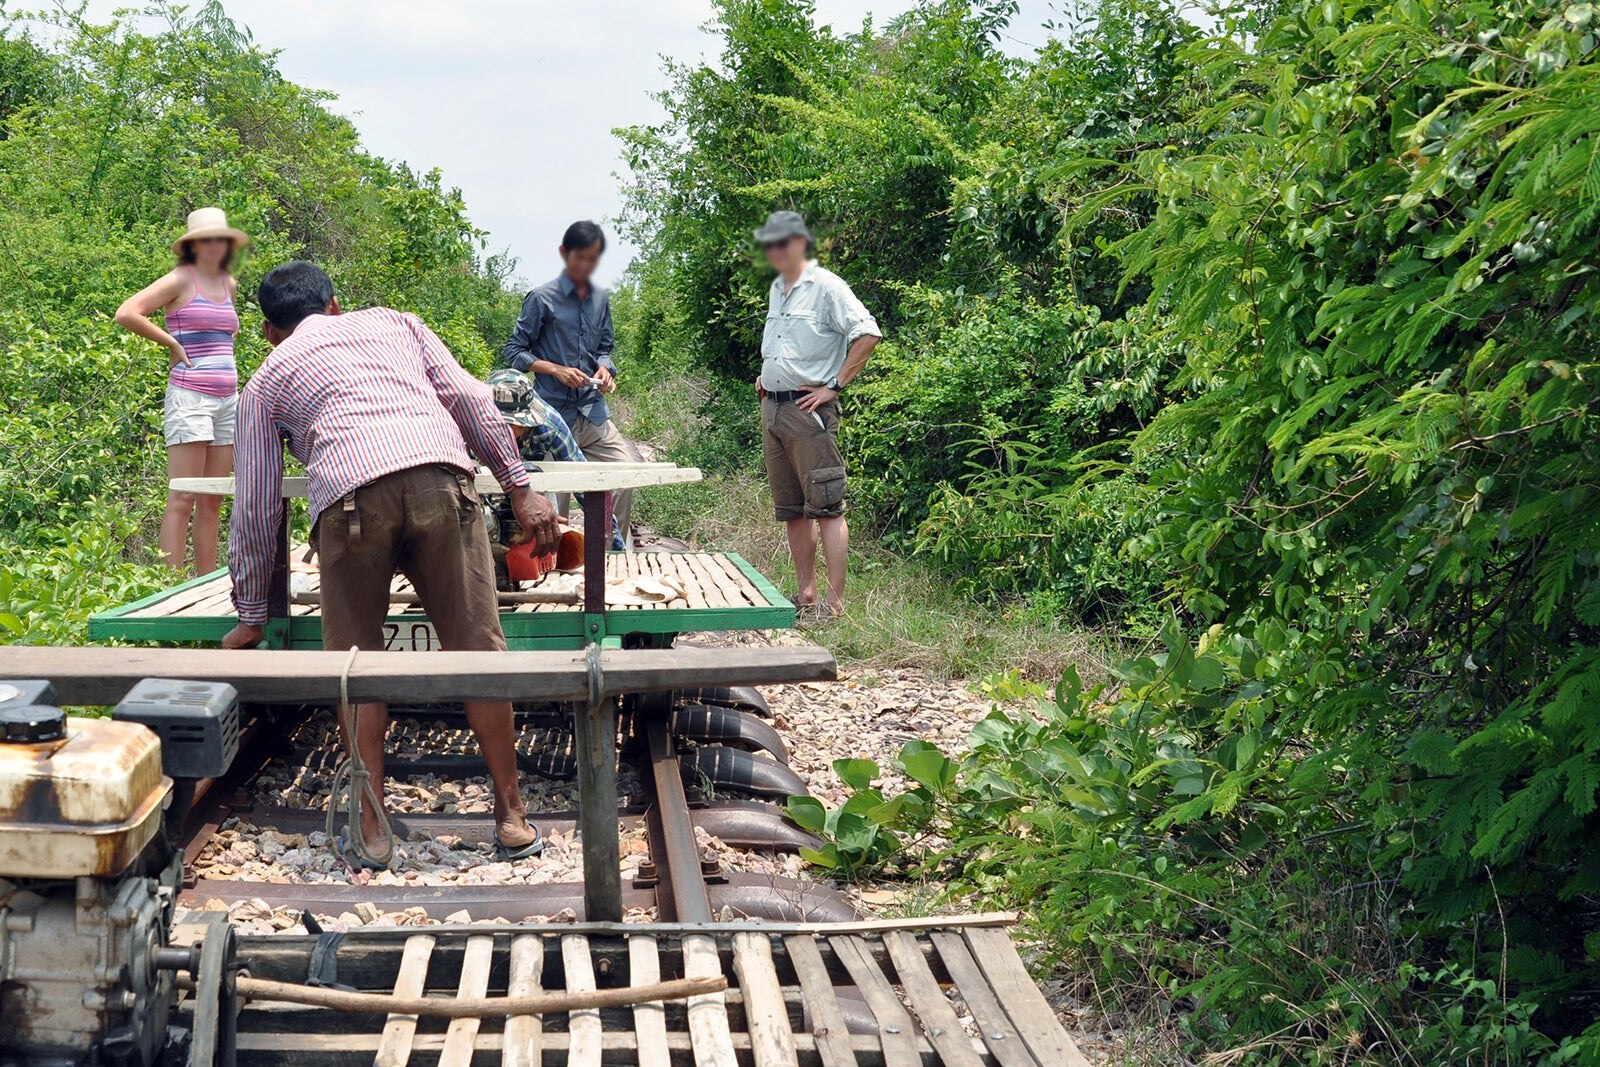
(78, 796)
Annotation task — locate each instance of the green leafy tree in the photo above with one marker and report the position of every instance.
(108, 137)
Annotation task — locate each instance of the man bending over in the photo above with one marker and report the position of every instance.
(386, 422)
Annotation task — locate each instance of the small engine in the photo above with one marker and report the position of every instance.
(87, 879)
(504, 530)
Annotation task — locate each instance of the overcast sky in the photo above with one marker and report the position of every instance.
(514, 99)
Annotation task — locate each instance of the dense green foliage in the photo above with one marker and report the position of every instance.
(1281, 329)
(1291, 320)
(108, 138)
(939, 173)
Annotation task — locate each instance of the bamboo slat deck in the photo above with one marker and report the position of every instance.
(709, 591)
(920, 993)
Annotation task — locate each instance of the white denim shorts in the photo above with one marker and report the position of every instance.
(190, 416)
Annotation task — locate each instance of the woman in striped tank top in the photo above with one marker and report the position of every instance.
(196, 298)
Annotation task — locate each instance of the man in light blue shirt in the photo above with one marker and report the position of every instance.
(818, 338)
(563, 341)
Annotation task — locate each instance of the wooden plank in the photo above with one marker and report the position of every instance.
(186, 596)
(691, 566)
(999, 1034)
(934, 1010)
(523, 1032)
(594, 742)
(459, 1038)
(649, 1020)
(650, 567)
(410, 599)
(708, 1014)
(746, 587)
(379, 938)
(218, 603)
(94, 675)
(584, 1026)
(828, 1028)
(144, 604)
(766, 1016)
(579, 478)
(184, 602)
(693, 591)
(1022, 1000)
(895, 1028)
(395, 1047)
(578, 465)
(719, 573)
(716, 594)
(769, 592)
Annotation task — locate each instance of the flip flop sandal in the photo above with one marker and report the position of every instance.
(507, 854)
(357, 861)
(814, 613)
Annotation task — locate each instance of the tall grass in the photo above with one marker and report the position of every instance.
(899, 614)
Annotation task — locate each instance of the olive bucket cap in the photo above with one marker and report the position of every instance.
(514, 395)
(782, 225)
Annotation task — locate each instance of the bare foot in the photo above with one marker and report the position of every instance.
(811, 613)
(513, 829)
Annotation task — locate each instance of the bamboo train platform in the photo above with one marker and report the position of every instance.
(654, 593)
(890, 993)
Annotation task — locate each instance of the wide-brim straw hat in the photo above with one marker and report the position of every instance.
(210, 222)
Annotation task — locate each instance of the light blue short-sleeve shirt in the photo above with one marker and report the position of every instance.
(810, 329)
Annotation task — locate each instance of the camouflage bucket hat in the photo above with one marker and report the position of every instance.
(513, 395)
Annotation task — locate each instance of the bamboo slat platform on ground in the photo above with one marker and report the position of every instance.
(647, 592)
(901, 993)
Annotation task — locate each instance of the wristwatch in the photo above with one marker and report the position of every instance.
(833, 383)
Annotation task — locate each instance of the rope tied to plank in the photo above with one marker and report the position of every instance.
(353, 781)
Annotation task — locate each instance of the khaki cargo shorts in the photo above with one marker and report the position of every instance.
(426, 523)
(804, 468)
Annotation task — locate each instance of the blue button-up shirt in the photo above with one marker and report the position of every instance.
(556, 326)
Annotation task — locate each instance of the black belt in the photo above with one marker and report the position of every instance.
(784, 396)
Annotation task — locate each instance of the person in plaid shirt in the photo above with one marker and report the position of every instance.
(541, 432)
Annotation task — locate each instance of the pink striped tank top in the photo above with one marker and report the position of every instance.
(206, 329)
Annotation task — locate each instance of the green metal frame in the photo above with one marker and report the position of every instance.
(540, 631)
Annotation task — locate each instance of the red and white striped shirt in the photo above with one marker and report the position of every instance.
(357, 396)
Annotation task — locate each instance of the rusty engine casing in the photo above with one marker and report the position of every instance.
(87, 886)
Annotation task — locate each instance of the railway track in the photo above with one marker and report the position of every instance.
(93, 971)
(729, 971)
(692, 765)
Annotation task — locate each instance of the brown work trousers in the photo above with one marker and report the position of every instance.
(427, 523)
(804, 467)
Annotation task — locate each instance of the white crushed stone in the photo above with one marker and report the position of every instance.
(868, 713)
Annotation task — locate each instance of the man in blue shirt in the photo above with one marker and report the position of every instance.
(563, 340)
